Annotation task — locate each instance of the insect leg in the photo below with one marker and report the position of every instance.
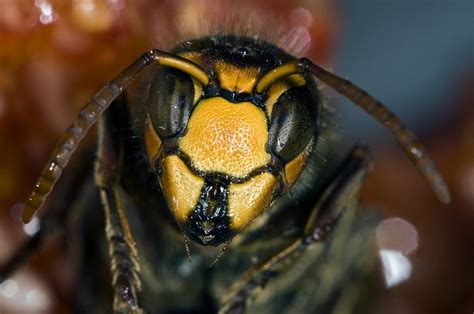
(341, 192)
(123, 254)
(122, 250)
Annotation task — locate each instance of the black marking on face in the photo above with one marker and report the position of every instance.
(209, 223)
(235, 97)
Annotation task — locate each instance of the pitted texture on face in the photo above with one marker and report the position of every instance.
(180, 186)
(247, 200)
(226, 137)
(236, 79)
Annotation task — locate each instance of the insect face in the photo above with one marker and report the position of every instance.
(223, 151)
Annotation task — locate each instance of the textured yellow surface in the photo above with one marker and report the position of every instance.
(181, 187)
(226, 137)
(195, 57)
(152, 140)
(235, 78)
(247, 200)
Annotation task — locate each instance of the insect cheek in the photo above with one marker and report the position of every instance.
(180, 186)
(152, 141)
(294, 167)
(248, 200)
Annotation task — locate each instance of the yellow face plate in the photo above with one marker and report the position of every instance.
(294, 167)
(247, 200)
(152, 140)
(195, 57)
(226, 137)
(180, 186)
(231, 77)
(236, 79)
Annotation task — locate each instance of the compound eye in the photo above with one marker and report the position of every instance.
(171, 101)
(293, 123)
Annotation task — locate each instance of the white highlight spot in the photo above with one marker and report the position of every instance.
(397, 234)
(37, 298)
(32, 227)
(9, 288)
(47, 13)
(25, 293)
(396, 267)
